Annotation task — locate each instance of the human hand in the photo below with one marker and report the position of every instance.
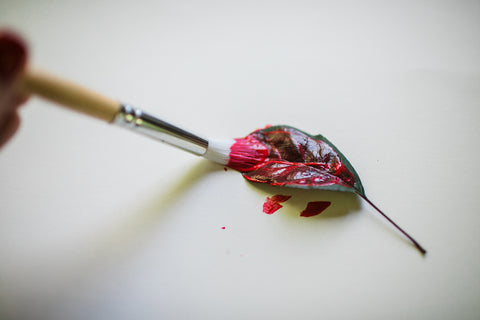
(13, 58)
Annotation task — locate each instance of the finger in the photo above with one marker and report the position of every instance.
(13, 55)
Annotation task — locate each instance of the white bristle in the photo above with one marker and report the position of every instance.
(219, 150)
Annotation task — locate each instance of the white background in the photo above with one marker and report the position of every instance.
(100, 223)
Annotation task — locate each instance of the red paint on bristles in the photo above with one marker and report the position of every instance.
(246, 153)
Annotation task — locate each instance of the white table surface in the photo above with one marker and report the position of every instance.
(100, 223)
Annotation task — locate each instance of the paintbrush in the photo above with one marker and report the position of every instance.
(76, 97)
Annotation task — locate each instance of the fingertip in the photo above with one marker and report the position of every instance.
(13, 55)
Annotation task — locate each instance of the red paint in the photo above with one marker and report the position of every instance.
(280, 198)
(315, 207)
(223, 228)
(272, 204)
(225, 168)
(286, 156)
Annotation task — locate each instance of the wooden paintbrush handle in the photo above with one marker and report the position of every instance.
(93, 104)
(69, 95)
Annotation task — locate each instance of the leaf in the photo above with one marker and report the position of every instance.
(285, 156)
(297, 159)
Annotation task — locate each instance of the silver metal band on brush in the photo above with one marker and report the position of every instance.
(139, 121)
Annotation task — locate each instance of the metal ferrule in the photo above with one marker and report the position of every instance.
(139, 121)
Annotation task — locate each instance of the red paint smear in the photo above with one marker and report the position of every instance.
(223, 228)
(270, 206)
(315, 207)
(273, 204)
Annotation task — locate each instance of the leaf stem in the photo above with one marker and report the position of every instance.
(415, 243)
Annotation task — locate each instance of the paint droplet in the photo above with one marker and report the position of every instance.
(273, 204)
(315, 207)
(223, 228)
(225, 168)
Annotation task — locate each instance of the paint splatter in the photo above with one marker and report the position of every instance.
(273, 204)
(315, 207)
(223, 228)
(225, 169)
(270, 206)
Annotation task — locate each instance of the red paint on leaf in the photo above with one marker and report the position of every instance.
(283, 155)
(315, 207)
(273, 204)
